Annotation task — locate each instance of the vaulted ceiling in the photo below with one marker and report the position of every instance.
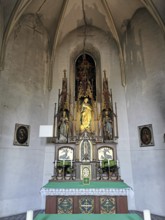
(60, 17)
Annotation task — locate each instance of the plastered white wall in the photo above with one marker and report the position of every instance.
(23, 99)
(145, 98)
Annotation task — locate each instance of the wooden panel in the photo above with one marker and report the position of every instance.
(50, 205)
(96, 204)
(64, 205)
(86, 204)
(122, 206)
(107, 205)
(76, 205)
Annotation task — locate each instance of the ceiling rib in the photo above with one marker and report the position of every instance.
(18, 10)
(116, 36)
(54, 44)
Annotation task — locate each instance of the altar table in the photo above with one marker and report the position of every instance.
(75, 197)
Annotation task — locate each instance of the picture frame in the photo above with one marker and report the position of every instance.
(65, 153)
(85, 173)
(146, 135)
(21, 135)
(105, 153)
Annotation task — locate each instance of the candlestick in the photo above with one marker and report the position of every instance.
(109, 162)
(147, 215)
(29, 215)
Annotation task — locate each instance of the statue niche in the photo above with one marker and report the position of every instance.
(85, 147)
(85, 78)
(107, 125)
(63, 114)
(109, 117)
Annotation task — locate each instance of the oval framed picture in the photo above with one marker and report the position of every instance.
(21, 135)
(146, 135)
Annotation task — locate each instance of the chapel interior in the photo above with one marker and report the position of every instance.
(82, 106)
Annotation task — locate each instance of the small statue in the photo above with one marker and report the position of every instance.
(86, 149)
(63, 127)
(107, 126)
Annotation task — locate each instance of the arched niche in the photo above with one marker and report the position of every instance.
(95, 56)
(85, 71)
(85, 152)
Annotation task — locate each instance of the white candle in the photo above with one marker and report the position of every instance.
(108, 162)
(147, 215)
(100, 163)
(63, 162)
(29, 215)
(71, 163)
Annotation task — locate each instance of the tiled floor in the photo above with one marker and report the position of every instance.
(23, 216)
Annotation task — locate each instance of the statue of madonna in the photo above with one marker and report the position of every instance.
(86, 115)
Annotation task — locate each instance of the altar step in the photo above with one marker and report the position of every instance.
(88, 217)
(22, 216)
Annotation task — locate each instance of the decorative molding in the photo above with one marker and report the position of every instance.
(91, 191)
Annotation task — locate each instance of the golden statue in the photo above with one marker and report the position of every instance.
(86, 115)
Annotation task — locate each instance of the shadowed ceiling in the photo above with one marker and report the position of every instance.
(60, 17)
(63, 16)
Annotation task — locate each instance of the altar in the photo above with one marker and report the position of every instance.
(86, 178)
(70, 197)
